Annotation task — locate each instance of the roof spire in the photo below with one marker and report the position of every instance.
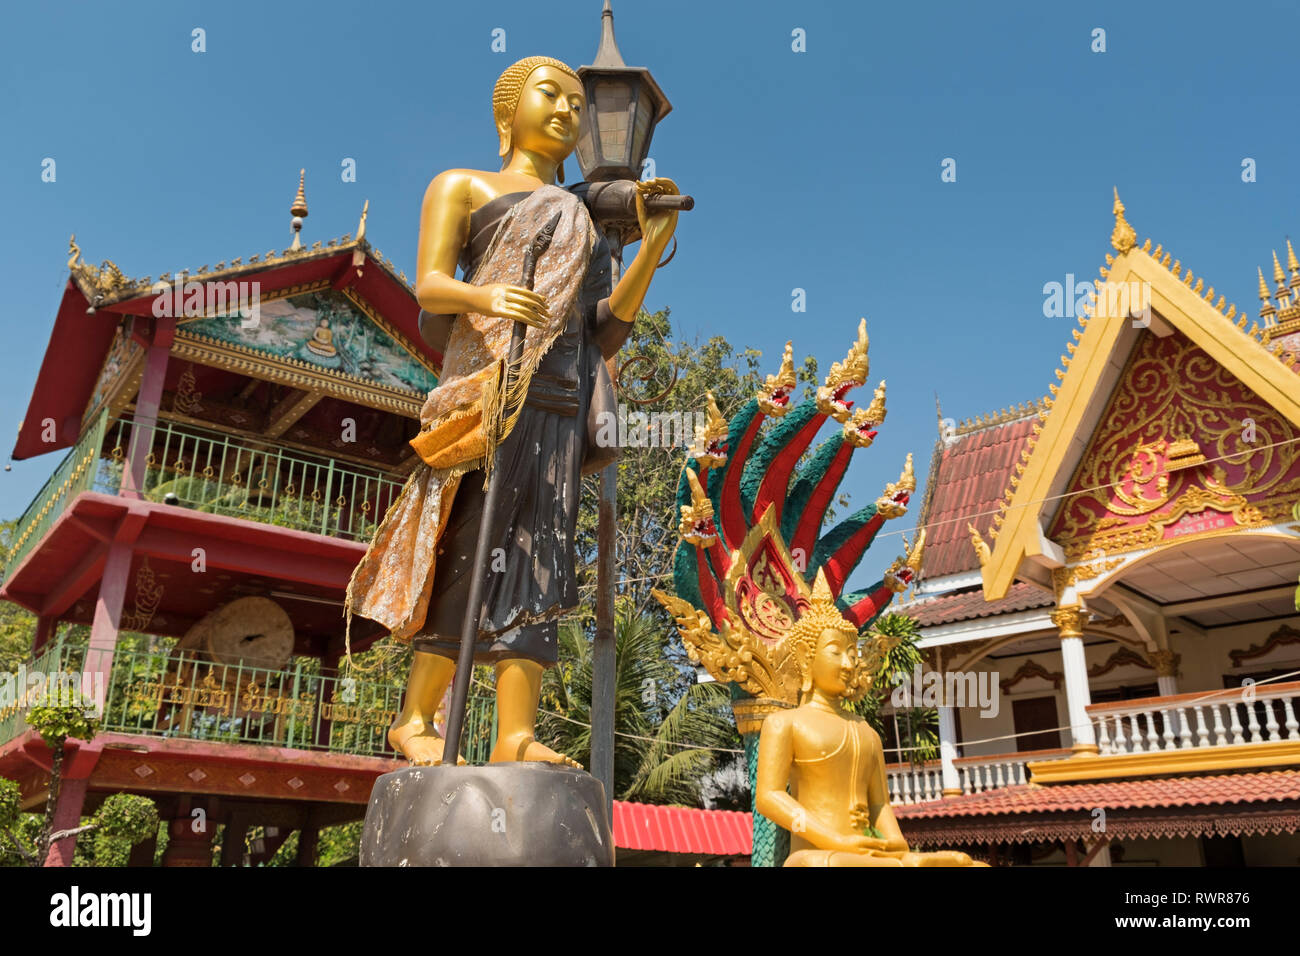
(1293, 264)
(607, 54)
(1123, 238)
(1281, 293)
(299, 210)
(361, 226)
(1266, 309)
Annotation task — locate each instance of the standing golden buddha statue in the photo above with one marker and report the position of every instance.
(415, 577)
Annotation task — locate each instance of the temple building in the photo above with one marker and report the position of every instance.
(1109, 590)
(231, 436)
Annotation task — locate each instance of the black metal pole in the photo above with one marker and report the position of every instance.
(604, 664)
(474, 605)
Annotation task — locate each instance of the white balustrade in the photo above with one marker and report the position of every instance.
(921, 784)
(1258, 713)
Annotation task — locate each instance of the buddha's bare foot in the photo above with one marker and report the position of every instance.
(523, 747)
(417, 742)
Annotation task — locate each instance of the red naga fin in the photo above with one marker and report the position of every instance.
(845, 558)
(780, 461)
(869, 605)
(731, 513)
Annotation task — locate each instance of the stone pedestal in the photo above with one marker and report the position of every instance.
(505, 814)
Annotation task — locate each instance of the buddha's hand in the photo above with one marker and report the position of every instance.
(656, 227)
(513, 302)
(857, 843)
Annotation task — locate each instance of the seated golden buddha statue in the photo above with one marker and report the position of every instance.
(322, 339)
(837, 808)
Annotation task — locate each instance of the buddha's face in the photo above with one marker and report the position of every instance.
(546, 119)
(835, 662)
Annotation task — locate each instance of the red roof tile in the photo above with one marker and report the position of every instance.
(644, 826)
(970, 603)
(969, 479)
(1197, 791)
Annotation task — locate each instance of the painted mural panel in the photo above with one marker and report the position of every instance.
(324, 329)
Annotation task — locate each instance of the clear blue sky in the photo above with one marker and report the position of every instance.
(817, 170)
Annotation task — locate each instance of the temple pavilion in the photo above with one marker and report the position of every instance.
(230, 437)
(1122, 556)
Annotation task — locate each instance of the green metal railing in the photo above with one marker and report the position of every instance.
(215, 473)
(165, 694)
(75, 474)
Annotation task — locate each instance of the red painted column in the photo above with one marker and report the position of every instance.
(146, 405)
(98, 668)
(67, 814)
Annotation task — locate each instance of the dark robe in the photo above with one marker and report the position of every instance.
(530, 575)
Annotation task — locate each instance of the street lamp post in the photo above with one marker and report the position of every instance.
(624, 106)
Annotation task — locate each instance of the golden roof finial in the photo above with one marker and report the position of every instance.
(361, 226)
(1281, 293)
(1123, 238)
(1292, 263)
(1263, 286)
(299, 207)
(299, 210)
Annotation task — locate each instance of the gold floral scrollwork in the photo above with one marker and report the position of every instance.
(1171, 458)
(734, 655)
(1165, 662)
(1063, 578)
(1068, 620)
(148, 595)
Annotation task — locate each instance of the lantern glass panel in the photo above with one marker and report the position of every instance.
(641, 119)
(613, 100)
(586, 155)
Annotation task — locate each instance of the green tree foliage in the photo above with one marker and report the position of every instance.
(646, 508)
(56, 723)
(122, 821)
(918, 726)
(669, 731)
